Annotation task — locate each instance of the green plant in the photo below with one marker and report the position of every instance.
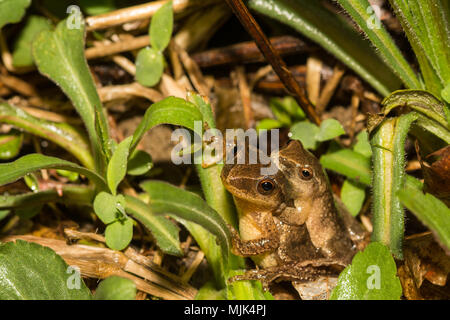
(59, 55)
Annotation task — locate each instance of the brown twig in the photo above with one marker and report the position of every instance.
(272, 56)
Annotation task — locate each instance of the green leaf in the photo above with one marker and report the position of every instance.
(204, 107)
(95, 7)
(418, 100)
(116, 288)
(171, 110)
(353, 195)
(22, 47)
(210, 292)
(305, 132)
(388, 146)
(335, 34)
(149, 66)
(430, 210)
(161, 27)
(71, 195)
(279, 111)
(371, 276)
(140, 163)
(164, 231)
(268, 124)
(29, 271)
(246, 290)
(66, 136)
(381, 39)
(12, 11)
(329, 129)
(289, 105)
(13, 171)
(32, 182)
(445, 93)
(362, 144)
(118, 234)
(10, 144)
(349, 163)
(72, 176)
(4, 214)
(59, 55)
(105, 206)
(117, 166)
(165, 198)
(28, 212)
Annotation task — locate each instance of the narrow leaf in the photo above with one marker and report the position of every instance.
(430, 210)
(353, 195)
(13, 171)
(66, 136)
(164, 231)
(10, 144)
(165, 198)
(388, 146)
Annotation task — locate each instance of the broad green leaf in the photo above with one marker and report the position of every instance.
(59, 55)
(362, 144)
(333, 33)
(329, 129)
(117, 166)
(12, 11)
(305, 132)
(168, 199)
(388, 146)
(353, 195)
(95, 7)
(161, 27)
(105, 207)
(22, 47)
(66, 136)
(268, 124)
(10, 144)
(349, 163)
(13, 171)
(140, 163)
(149, 66)
(164, 231)
(118, 234)
(430, 210)
(116, 288)
(381, 39)
(171, 110)
(371, 276)
(29, 271)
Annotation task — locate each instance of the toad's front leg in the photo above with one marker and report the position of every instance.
(267, 240)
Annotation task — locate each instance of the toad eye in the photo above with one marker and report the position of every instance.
(306, 173)
(266, 186)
